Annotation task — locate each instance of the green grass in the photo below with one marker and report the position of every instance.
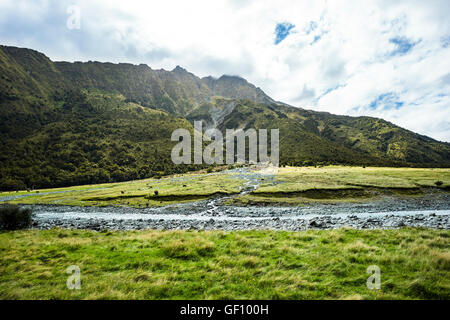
(139, 193)
(332, 264)
(291, 185)
(340, 177)
(298, 185)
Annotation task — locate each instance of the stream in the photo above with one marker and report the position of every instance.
(431, 210)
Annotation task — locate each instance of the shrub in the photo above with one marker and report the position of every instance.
(13, 217)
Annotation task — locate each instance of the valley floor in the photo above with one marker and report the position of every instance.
(252, 198)
(253, 237)
(328, 264)
(291, 186)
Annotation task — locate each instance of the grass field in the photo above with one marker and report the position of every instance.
(332, 264)
(336, 177)
(291, 185)
(139, 193)
(299, 185)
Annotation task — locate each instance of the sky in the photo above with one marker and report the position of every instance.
(387, 59)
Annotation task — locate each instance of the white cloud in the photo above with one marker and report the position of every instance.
(340, 65)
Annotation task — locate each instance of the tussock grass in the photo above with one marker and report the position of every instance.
(292, 185)
(295, 179)
(139, 193)
(191, 249)
(314, 264)
(298, 185)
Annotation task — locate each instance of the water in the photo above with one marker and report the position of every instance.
(210, 219)
(213, 214)
(76, 215)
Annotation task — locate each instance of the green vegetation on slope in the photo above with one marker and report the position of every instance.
(91, 137)
(308, 137)
(332, 264)
(66, 123)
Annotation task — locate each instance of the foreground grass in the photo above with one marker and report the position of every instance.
(414, 263)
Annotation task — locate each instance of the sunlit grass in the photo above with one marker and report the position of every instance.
(330, 264)
(299, 185)
(139, 193)
(291, 185)
(339, 177)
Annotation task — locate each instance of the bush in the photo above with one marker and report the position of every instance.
(13, 217)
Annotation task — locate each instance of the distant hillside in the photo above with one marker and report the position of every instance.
(67, 123)
(177, 92)
(308, 137)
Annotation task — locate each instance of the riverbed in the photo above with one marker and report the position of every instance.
(432, 210)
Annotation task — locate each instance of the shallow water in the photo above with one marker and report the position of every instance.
(431, 210)
(73, 215)
(282, 219)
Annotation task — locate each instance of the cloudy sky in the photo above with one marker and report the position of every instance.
(388, 59)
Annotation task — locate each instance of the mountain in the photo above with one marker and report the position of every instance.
(67, 123)
(177, 92)
(308, 137)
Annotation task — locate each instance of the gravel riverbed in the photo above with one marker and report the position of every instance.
(431, 211)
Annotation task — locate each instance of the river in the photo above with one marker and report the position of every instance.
(432, 210)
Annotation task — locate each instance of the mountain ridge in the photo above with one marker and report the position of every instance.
(50, 108)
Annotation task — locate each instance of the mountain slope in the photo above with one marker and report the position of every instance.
(233, 87)
(67, 123)
(308, 136)
(91, 138)
(177, 91)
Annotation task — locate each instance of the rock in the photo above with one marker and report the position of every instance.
(316, 224)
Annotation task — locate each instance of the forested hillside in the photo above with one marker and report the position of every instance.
(67, 123)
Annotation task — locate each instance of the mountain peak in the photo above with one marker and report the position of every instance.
(179, 69)
(232, 78)
(209, 78)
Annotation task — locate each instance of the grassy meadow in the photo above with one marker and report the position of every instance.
(138, 193)
(314, 264)
(330, 264)
(291, 186)
(300, 185)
